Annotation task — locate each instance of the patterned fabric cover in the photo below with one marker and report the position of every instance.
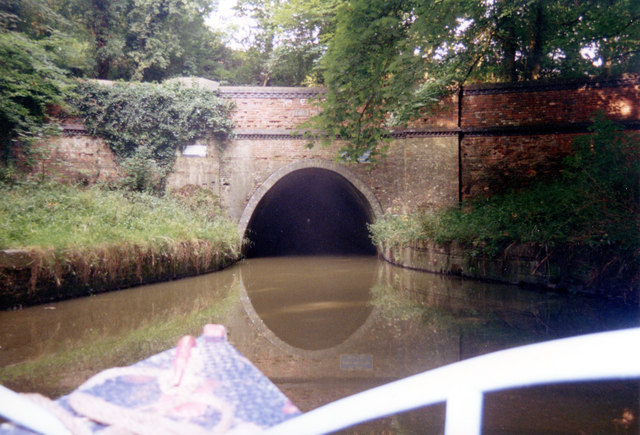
(220, 392)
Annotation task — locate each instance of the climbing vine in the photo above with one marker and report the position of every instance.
(145, 124)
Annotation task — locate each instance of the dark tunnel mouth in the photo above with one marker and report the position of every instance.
(310, 211)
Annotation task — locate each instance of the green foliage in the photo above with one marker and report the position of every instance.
(37, 56)
(198, 198)
(66, 217)
(304, 29)
(148, 40)
(146, 124)
(41, 22)
(605, 170)
(396, 230)
(142, 173)
(158, 32)
(288, 41)
(375, 75)
(593, 208)
(30, 81)
(34, 18)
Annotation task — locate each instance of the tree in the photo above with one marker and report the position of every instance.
(262, 39)
(551, 38)
(38, 53)
(158, 33)
(30, 82)
(32, 17)
(391, 61)
(102, 23)
(147, 40)
(376, 64)
(304, 28)
(289, 40)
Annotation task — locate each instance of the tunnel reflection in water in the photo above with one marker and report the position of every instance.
(317, 312)
(311, 211)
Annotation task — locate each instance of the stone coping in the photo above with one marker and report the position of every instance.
(282, 133)
(270, 92)
(473, 89)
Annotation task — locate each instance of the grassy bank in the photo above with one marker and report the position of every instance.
(93, 237)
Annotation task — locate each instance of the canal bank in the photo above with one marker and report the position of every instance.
(30, 277)
(525, 264)
(60, 241)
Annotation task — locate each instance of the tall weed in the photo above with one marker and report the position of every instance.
(59, 217)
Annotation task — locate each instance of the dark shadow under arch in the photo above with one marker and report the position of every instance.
(309, 210)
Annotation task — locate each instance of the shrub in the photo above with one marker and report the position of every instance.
(31, 81)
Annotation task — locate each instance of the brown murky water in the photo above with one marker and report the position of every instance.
(326, 327)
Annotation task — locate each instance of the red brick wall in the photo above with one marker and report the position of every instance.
(561, 103)
(74, 157)
(517, 131)
(272, 113)
(506, 131)
(489, 162)
(260, 108)
(443, 117)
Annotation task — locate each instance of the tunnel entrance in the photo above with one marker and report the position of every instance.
(310, 211)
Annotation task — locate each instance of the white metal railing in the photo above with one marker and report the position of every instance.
(19, 409)
(601, 356)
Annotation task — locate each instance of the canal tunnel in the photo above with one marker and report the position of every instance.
(310, 211)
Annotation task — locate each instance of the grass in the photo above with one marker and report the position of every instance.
(59, 216)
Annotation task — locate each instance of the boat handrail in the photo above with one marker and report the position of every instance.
(600, 356)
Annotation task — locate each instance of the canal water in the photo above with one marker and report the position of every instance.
(322, 328)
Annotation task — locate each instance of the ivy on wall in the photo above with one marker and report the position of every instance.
(145, 124)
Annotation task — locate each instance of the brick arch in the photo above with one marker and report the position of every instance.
(372, 203)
